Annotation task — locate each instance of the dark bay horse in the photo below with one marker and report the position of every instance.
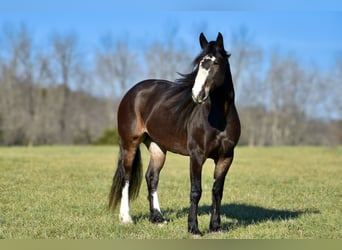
(195, 116)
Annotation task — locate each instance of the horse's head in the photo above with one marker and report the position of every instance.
(212, 66)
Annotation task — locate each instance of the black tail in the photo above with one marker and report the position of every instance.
(119, 180)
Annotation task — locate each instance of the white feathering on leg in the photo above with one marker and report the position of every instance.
(124, 206)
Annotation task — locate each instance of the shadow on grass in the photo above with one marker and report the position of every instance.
(243, 214)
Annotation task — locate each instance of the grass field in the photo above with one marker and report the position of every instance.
(61, 192)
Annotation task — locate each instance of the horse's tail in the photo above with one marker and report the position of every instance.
(119, 179)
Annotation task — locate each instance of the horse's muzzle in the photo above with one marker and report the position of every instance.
(201, 98)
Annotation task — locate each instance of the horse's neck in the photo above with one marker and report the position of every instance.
(217, 110)
(223, 95)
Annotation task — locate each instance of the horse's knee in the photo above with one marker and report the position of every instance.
(217, 190)
(195, 195)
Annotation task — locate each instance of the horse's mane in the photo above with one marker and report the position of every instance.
(179, 98)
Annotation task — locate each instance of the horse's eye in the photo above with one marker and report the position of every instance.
(216, 62)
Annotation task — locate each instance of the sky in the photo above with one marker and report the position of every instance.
(311, 30)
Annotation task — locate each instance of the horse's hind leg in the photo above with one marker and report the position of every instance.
(157, 160)
(127, 158)
(128, 175)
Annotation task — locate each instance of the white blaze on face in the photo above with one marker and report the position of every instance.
(201, 77)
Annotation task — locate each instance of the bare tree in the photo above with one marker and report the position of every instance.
(291, 93)
(17, 100)
(117, 68)
(333, 89)
(246, 63)
(165, 62)
(65, 61)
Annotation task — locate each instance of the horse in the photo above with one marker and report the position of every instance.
(194, 116)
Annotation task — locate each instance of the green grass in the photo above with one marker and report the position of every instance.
(61, 192)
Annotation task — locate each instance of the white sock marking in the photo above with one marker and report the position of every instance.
(156, 201)
(124, 206)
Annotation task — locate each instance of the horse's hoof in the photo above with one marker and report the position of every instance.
(215, 229)
(157, 218)
(162, 224)
(125, 219)
(195, 232)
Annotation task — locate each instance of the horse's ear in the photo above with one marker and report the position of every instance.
(219, 40)
(203, 41)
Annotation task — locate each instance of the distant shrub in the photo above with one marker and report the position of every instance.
(109, 137)
(82, 137)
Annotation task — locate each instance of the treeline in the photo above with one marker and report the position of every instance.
(282, 102)
(55, 92)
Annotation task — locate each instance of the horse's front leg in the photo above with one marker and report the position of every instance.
(221, 169)
(195, 193)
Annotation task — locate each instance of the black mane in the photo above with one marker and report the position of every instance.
(178, 97)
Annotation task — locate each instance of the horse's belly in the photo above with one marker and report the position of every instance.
(168, 138)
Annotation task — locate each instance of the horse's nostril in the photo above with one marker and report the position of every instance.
(202, 95)
(200, 98)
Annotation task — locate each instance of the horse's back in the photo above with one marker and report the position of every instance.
(146, 109)
(144, 88)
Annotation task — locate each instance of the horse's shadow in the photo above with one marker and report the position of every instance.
(242, 215)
